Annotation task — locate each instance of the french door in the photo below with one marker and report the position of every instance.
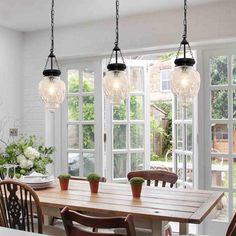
(127, 126)
(82, 116)
(220, 155)
(183, 143)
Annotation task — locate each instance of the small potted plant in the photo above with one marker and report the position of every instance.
(64, 181)
(136, 186)
(93, 179)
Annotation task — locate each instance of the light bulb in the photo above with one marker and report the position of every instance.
(52, 92)
(116, 85)
(185, 82)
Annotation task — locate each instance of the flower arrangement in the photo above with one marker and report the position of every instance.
(28, 154)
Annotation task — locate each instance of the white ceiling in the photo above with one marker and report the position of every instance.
(29, 15)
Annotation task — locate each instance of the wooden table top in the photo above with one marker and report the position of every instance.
(164, 204)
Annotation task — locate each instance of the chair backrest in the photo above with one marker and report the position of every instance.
(102, 179)
(155, 175)
(17, 202)
(69, 216)
(231, 231)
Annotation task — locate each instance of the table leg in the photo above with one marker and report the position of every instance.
(157, 228)
(183, 228)
(47, 220)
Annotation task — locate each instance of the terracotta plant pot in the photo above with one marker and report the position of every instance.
(64, 183)
(136, 190)
(94, 186)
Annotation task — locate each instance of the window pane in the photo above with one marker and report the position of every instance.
(136, 79)
(234, 104)
(137, 161)
(234, 69)
(234, 202)
(73, 81)
(189, 138)
(219, 104)
(119, 111)
(137, 136)
(179, 136)
(189, 172)
(234, 138)
(219, 138)
(222, 208)
(120, 165)
(88, 107)
(88, 136)
(73, 108)
(184, 112)
(89, 163)
(218, 70)
(119, 136)
(73, 164)
(88, 81)
(234, 172)
(73, 136)
(180, 171)
(136, 107)
(219, 172)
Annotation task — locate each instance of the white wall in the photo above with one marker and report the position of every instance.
(209, 22)
(11, 81)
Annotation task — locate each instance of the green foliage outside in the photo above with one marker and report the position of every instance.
(163, 133)
(219, 76)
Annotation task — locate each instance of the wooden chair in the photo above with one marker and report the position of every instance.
(231, 231)
(20, 208)
(155, 175)
(159, 177)
(54, 219)
(70, 216)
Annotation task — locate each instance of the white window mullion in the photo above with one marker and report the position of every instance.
(81, 161)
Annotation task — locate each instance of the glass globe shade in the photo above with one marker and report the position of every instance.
(116, 85)
(185, 82)
(52, 92)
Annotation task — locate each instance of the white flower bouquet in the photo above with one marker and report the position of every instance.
(29, 156)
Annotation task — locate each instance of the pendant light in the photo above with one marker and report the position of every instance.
(185, 80)
(51, 87)
(115, 82)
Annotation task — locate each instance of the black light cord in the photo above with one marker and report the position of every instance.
(52, 26)
(185, 23)
(117, 23)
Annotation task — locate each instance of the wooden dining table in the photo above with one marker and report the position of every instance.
(155, 207)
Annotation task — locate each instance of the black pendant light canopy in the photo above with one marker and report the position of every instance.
(52, 67)
(116, 52)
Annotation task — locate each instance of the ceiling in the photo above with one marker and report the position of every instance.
(30, 15)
